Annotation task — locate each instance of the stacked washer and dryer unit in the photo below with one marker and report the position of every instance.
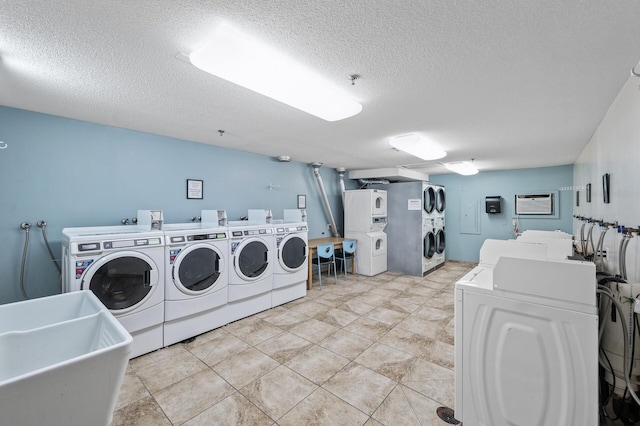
(416, 227)
(365, 218)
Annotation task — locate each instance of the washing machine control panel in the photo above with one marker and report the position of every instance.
(201, 237)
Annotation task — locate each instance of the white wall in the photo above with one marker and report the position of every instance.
(615, 149)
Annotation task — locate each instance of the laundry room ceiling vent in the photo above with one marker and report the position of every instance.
(236, 57)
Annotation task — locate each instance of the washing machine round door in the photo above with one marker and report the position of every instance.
(197, 269)
(292, 253)
(122, 281)
(429, 245)
(440, 241)
(440, 200)
(251, 259)
(429, 199)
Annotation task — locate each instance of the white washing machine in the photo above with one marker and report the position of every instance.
(196, 280)
(291, 266)
(251, 258)
(439, 225)
(428, 200)
(124, 267)
(526, 343)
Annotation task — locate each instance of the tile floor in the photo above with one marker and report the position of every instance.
(368, 351)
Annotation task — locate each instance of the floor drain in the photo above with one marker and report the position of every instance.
(446, 414)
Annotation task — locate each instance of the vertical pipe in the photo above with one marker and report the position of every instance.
(316, 171)
(341, 171)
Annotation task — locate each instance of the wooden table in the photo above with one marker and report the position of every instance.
(313, 247)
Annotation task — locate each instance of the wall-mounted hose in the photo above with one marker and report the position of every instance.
(606, 292)
(27, 227)
(43, 225)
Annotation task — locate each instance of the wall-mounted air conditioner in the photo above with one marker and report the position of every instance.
(534, 204)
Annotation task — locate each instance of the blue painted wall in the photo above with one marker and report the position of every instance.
(73, 173)
(464, 190)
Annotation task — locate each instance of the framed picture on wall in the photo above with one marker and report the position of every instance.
(195, 189)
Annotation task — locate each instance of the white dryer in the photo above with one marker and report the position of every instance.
(196, 280)
(291, 267)
(429, 260)
(428, 200)
(526, 343)
(251, 258)
(124, 267)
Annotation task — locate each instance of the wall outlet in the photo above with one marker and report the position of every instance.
(514, 222)
(328, 226)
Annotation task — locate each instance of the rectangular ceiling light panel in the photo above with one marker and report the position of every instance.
(417, 146)
(245, 61)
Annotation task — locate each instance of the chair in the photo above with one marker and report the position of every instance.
(348, 252)
(325, 256)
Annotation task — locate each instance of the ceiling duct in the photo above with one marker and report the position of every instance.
(392, 174)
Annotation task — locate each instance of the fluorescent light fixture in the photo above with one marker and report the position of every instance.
(245, 61)
(417, 146)
(465, 168)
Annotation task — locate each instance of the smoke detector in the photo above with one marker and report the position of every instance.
(284, 158)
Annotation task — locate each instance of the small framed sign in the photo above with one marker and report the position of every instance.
(302, 201)
(194, 189)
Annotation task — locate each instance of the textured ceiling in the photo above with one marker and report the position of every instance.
(511, 84)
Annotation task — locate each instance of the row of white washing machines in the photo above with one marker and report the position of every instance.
(167, 285)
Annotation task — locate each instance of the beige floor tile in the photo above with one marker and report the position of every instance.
(255, 332)
(206, 337)
(337, 317)
(386, 292)
(434, 314)
(284, 346)
(356, 307)
(235, 410)
(332, 299)
(171, 370)
(402, 304)
(389, 362)
(322, 408)
(447, 335)
(372, 422)
(132, 390)
(144, 412)
(317, 364)
(287, 319)
(245, 367)
(311, 308)
(406, 341)
(216, 351)
(193, 395)
(314, 330)
(440, 353)
(145, 361)
(396, 410)
(368, 328)
(399, 285)
(425, 408)
(386, 316)
(371, 299)
(424, 327)
(361, 387)
(278, 391)
(347, 344)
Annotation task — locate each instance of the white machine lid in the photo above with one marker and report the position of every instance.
(565, 280)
